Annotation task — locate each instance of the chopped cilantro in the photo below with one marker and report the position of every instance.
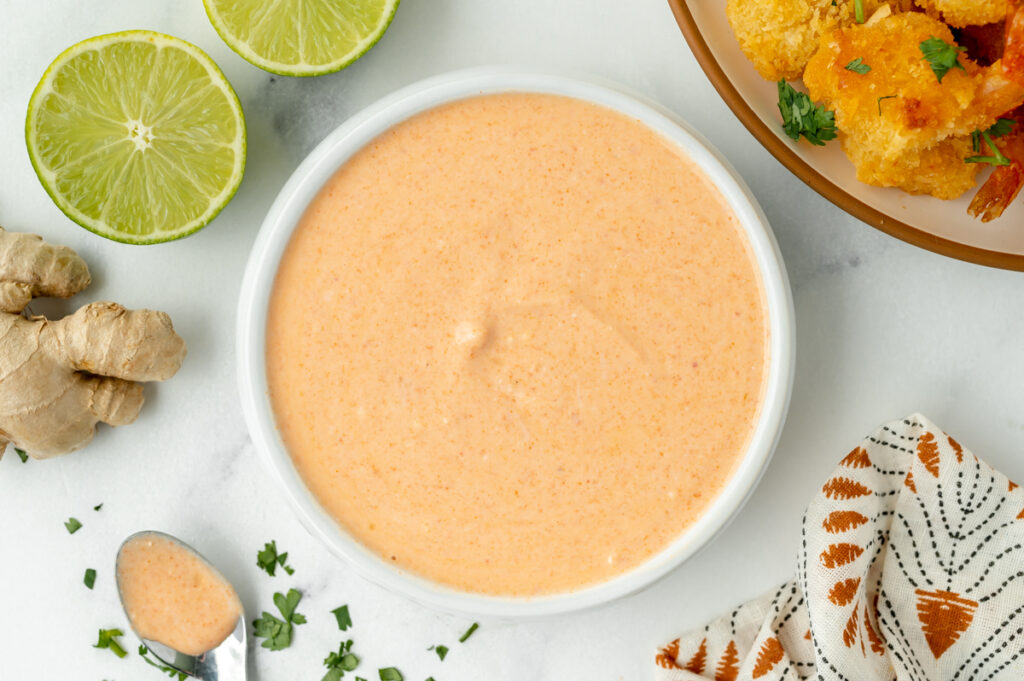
(287, 605)
(390, 674)
(858, 10)
(97, 507)
(108, 639)
(882, 99)
(469, 632)
(278, 632)
(942, 56)
(21, 454)
(170, 671)
(441, 651)
(268, 559)
(800, 116)
(72, 525)
(340, 662)
(858, 66)
(996, 159)
(90, 578)
(344, 619)
(1002, 127)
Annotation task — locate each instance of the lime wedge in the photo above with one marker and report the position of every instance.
(136, 136)
(301, 37)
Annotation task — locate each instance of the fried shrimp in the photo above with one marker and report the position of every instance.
(902, 125)
(779, 36)
(960, 13)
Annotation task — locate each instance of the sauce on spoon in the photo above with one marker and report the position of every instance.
(173, 596)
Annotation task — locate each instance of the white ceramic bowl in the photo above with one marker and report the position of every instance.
(289, 207)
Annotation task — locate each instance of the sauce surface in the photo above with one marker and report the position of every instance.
(173, 596)
(517, 344)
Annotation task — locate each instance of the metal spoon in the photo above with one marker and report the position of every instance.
(226, 662)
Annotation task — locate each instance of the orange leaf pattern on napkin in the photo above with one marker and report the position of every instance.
(911, 569)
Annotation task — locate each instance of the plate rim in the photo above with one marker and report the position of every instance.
(811, 177)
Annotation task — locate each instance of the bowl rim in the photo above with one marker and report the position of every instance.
(811, 177)
(331, 154)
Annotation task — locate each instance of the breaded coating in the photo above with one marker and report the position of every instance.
(938, 170)
(779, 36)
(962, 13)
(900, 126)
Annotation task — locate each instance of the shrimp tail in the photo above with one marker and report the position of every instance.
(1005, 183)
(998, 192)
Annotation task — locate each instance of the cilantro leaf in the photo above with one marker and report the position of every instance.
(469, 632)
(72, 525)
(344, 619)
(170, 671)
(800, 116)
(942, 56)
(390, 674)
(287, 605)
(90, 578)
(1002, 127)
(21, 454)
(97, 507)
(858, 66)
(340, 662)
(278, 632)
(108, 639)
(268, 559)
(441, 651)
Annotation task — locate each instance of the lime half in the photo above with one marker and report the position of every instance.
(301, 37)
(137, 136)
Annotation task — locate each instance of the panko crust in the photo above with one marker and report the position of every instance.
(901, 127)
(938, 170)
(780, 36)
(961, 13)
(918, 111)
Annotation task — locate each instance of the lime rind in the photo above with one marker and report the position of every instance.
(113, 117)
(300, 69)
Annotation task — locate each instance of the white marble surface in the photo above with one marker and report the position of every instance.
(883, 328)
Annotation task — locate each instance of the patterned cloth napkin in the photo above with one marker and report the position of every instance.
(911, 567)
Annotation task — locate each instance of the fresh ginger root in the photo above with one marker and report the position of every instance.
(59, 379)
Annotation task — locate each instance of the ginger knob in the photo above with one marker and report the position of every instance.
(58, 379)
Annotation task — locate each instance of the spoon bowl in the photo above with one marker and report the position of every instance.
(225, 662)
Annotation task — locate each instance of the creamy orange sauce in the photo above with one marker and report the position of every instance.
(517, 344)
(173, 596)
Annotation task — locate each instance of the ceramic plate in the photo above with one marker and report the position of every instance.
(940, 226)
